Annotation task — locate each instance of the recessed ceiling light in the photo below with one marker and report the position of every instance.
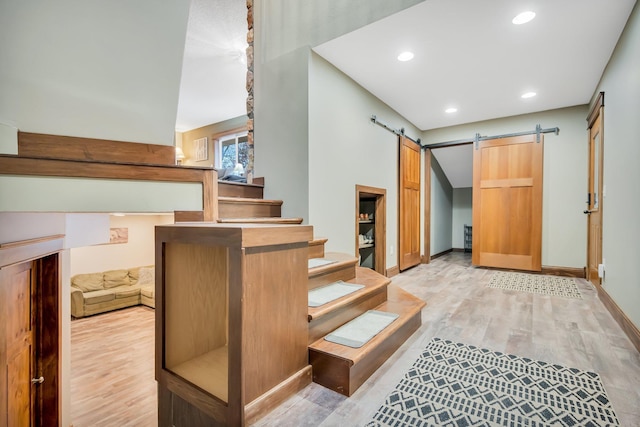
(405, 56)
(528, 95)
(524, 17)
(451, 110)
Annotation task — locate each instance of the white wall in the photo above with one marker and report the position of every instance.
(285, 30)
(50, 194)
(346, 149)
(441, 210)
(621, 174)
(107, 70)
(461, 215)
(98, 70)
(138, 251)
(564, 180)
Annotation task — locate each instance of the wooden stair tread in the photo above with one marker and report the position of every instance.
(316, 247)
(399, 302)
(261, 220)
(342, 261)
(242, 184)
(248, 201)
(372, 282)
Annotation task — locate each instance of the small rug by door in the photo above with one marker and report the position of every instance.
(333, 291)
(362, 329)
(454, 384)
(535, 283)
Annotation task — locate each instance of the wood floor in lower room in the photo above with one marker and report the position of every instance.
(112, 354)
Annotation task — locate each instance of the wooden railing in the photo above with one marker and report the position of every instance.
(64, 156)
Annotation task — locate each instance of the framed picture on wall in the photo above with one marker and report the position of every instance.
(201, 149)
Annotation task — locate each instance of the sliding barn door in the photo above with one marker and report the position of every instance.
(409, 212)
(507, 203)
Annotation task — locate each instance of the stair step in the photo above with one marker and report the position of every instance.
(344, 268)
(316, 248)
(188, 216)
(261, 220)
(329, 316)
(240, 189)
(344, 369)
(246, 207)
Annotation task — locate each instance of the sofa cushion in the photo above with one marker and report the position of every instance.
(148, 291)
(126, 291)
(133, 275)
(88, 282)
(147, 276)
(95, 297)
(114, 278)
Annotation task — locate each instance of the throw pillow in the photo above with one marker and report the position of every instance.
(147, 276)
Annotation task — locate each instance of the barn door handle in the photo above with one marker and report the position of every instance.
(37, 380)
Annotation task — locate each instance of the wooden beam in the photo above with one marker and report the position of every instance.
(12, 165)
(94, 150)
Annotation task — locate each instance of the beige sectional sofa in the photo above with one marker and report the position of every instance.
(94, 293)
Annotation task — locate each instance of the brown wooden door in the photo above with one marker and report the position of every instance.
(507, 203)
(594, 201)
(409, 204)
(18, 293)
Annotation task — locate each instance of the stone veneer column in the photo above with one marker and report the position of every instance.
(249, 173)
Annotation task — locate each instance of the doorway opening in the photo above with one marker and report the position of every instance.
(371, 208)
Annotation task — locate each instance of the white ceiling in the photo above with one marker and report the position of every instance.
(470, 56)
(212, 87)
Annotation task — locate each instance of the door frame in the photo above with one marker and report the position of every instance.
(426, 258)
(44, 254)
(595, 114)
(380, 224)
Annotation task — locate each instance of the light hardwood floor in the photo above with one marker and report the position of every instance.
(112, 354)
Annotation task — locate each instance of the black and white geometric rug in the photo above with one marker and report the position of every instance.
(535, 283)
(454, 384)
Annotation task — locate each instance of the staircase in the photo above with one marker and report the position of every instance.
(244, 203)
(338, 367)
(342, 368)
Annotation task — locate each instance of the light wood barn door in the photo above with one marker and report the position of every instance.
(409, 212)
(507, 203)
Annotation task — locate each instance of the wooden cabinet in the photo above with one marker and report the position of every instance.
(231, 320)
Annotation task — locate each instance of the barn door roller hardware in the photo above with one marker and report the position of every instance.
(477, 138)
(400, 131)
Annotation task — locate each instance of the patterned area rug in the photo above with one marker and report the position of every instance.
(458, 385)
(536, 284)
